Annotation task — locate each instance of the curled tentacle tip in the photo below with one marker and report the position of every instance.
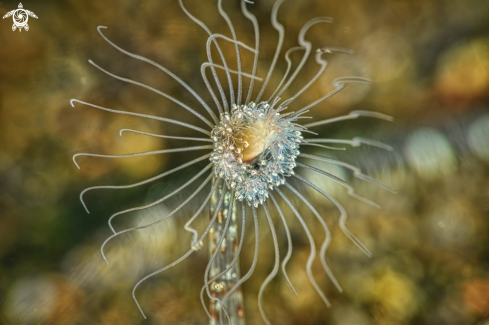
(74, 161)
(124, 130)
(83, 203)
(141, 310)
(372, 114)
(340, 289)
(71, 102)
(372, 204)
(293, 291)
(100, 27)
(103, 256)
(385, 147)
(366, 252)
(364, 80)
(385, 117)
(327, 303)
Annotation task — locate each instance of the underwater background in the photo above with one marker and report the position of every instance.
(429, 63)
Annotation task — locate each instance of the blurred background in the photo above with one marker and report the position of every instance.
(429, 63)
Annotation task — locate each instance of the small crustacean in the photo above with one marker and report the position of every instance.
(253, 147)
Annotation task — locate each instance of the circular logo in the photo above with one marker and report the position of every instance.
(20, 18)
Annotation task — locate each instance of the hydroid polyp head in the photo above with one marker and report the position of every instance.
(253, 148)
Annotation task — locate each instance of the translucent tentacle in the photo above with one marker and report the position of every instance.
(152, 117)
(208, 31)
(355, 142)
(212, 39)
(211, 260)
(238, 55)
(173, 99)
(312, 255)
(169, 266)
(343, 216)
(190, 163)
(351, 190)
(333, 49)
(146, 153)
(327, 239)
(323, 64)
(165, 136)
(356, 171)
(274, 270)
(289, 66)
(289, 245)
(253, 264)
(118, 233)
(307, 46)
(281, 33)
(165, 70)
(195, 244)
(339, 84)
(256, 29)
(231, 265)
(187, 254)
(209, 87)
(244, 74)
(353, 115)
(320, 145)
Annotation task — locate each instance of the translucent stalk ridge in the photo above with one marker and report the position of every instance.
(222, 281)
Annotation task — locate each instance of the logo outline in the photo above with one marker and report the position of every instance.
(20, 16)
